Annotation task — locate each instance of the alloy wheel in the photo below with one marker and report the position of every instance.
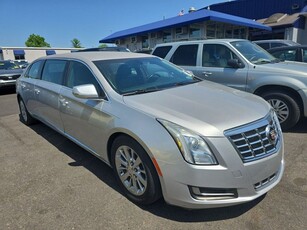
(281, 109)
(131, 170)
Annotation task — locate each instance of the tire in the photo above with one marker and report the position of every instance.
(286, 108)
(135, 171)
(24, 115)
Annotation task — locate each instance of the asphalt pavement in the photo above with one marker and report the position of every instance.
(48, 182)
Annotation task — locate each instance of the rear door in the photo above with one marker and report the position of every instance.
(47, 92)
(186, 56)
(27, 86)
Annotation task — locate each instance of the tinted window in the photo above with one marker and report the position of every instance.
(185, 55)
(162, 51)
(79, 74)
(34, 70)
(54, 71)
(8, 65)
(285, 55)
(265, 46)
(277, 44)
(305, 55)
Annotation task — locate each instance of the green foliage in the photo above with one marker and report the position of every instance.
(34, 40)
(103, 45)
(76, 43)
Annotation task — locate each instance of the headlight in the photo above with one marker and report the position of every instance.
(193, 148)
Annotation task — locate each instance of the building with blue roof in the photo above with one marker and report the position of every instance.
(201, 24)
(248, 19)
(287, 18)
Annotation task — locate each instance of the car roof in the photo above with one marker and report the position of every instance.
(287, 47)
(96, 55)
(207, 41)
(112, 48)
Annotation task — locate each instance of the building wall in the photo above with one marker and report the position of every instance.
(302, 35)
(30, 53)
(196, 31)
(257, 9)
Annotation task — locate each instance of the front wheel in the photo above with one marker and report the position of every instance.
(286, 108)
(134, 171)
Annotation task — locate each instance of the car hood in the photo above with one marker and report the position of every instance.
(10, 71)
(205, 107)
(285, 68)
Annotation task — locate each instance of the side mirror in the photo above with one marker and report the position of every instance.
(235, 63)
(85, 91)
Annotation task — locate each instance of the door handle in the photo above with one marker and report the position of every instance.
(36, 91)
(63, 101)
(207, 74)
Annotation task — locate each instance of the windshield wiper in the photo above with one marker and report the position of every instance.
(184, 83)
(141, 91)
(262, 61)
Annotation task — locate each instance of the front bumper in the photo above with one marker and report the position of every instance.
(4, 83)
(303, 94)
(197, 187)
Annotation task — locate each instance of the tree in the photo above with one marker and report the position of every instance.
(103, 45)
(34, 40)
(76, 43)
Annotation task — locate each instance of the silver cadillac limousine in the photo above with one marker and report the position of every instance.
(165, 132)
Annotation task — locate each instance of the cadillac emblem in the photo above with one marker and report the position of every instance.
(272, 134)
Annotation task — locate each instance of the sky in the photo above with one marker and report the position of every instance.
(60, 21)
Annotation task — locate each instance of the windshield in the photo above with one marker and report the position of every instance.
(143, 75)
(8, 65)
(253, 52)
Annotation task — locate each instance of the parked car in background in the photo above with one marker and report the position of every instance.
(144, 51)
(21, 63)
(269, 44)
(9, 72)
(111, 48)
(243, 65)
(163, 130)
(290, 53)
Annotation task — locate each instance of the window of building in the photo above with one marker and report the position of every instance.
(50, 52)
(185, 55)
(195, 31)
(79, 74)
(54, 71)
(19, 54)
(210, 29)
(305, 55)
(34, 70)
(167, 36)
(220, 30)
(145, 43)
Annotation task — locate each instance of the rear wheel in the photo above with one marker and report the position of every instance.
(25, 116)
(286, 108)
(134, 171)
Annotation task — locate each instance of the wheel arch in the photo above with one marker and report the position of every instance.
(139, 141)
(285, 89)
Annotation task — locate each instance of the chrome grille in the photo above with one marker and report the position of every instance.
(9, 77)
(252, 141)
